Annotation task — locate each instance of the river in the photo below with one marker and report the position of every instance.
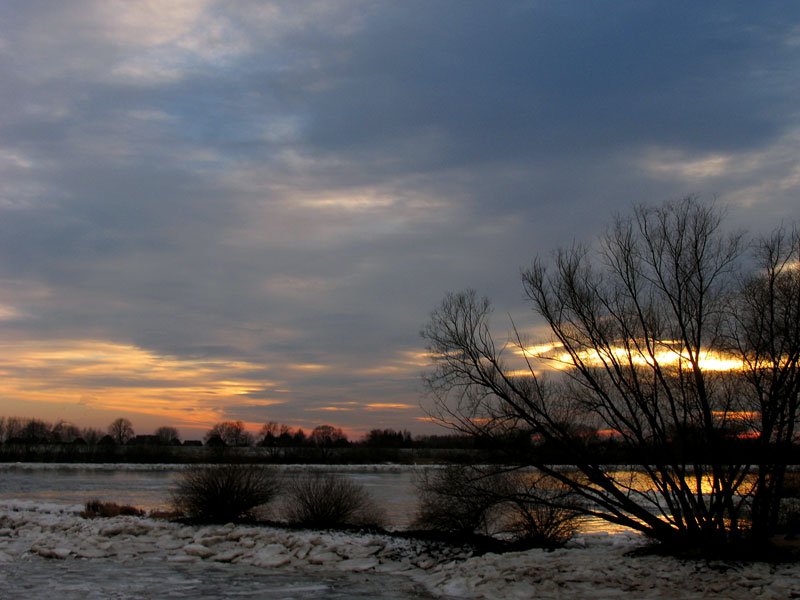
(150, 486)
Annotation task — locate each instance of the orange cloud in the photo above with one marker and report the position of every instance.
(308, 367)
(404, 362)
(127, 379)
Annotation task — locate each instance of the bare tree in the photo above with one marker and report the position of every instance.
(167, 435)
(13, 428)
(325, 436)
(636, 324)
(36, 431)
(268, 435)
(65, 432)
(121, 430)
(233, 433)
(765, 332)
(91, 435)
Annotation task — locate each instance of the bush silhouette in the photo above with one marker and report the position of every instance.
(457, 500)
(542, 525)
(223, 493)
(531, 508)
(97, 508)
(327, 500)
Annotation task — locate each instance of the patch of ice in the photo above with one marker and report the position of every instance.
(198, 550)
(596, 566)
(357, 564)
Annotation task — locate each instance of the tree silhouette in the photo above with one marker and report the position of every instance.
(121, 430)
(640, 325)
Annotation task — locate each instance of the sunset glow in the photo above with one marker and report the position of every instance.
(93, 380)
(550, 357)
(247, 211)
(122, 378)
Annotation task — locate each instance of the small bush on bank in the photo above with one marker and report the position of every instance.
(327, 500)
(96, 508)
(530, 508)
(791, 485)
(223, 493)
(542, 511)
(789, 510)
(542, 525)
(456, 499)
(164, 515)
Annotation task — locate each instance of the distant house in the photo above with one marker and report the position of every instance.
(193, 443)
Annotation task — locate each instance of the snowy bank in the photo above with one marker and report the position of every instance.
(596, 566)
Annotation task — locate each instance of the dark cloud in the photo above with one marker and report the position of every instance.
(295, 185)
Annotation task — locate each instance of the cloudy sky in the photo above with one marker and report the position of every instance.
(247, 210)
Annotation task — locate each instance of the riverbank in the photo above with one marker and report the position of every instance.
(593, 566)
(179, 455)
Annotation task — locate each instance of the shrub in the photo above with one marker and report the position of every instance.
(327, 500)
(96, 508)
(791, 485)
(789, 518)
(164, 515)
(454, 499)
(789, 510)
(223, 493)
(532, 508)
(543, 511)
(542, 525)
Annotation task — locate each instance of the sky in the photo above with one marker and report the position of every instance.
(247, 210)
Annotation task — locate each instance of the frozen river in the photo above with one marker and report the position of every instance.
(48, 551)
(149, 486)
(102, 579)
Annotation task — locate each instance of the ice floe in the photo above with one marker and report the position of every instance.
(594, 566)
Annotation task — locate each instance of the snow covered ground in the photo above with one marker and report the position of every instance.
(49, 551)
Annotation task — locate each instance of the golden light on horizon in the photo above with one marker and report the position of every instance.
(124, 378)
(538, 350)
(519, 373)
(667, 356)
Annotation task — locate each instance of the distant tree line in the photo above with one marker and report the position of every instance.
(120, 432)
(277, 441)
(32, 431)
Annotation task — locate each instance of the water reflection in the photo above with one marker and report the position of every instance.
(149, 487)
